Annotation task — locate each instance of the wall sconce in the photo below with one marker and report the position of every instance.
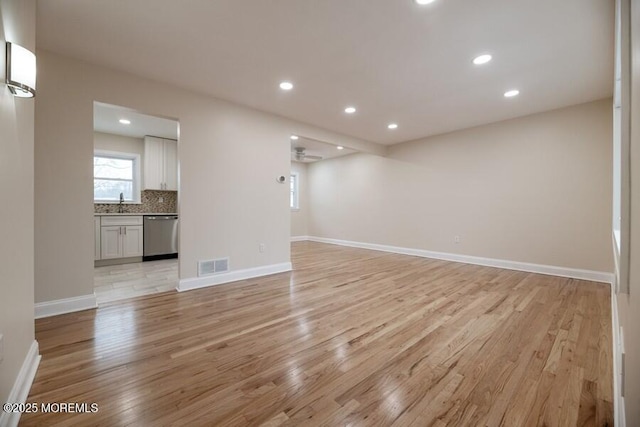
(21, 71)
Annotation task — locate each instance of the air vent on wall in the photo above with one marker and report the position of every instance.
(213, 266)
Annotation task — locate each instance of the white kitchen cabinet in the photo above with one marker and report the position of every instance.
(111, 242)
(96, 237)
(153, 163)
(170, 165)
(132, 242)
(160, 164)
(121, 237)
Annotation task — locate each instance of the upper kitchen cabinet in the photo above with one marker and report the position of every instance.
(160, 164)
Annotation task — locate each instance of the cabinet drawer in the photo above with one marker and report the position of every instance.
(107, 221)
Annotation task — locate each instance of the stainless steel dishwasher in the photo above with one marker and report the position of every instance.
(160, 237)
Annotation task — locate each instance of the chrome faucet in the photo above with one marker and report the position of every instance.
(121, 206)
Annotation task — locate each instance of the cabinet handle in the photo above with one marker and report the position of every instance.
(125, 230)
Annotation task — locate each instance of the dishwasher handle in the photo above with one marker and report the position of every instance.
(155, 218)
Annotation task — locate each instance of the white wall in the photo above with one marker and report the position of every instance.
(229, 158)
(300, 217)
(535, 189)
(17, 24)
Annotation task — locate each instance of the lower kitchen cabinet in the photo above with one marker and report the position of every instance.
(96, 238)
(121, 237)
(111, 242)
(132, 242)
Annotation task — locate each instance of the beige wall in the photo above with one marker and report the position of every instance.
(122, 144)
(17, 24)
(300, 217)
(229, 158)
(535, 189)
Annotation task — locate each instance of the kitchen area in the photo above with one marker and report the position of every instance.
(135, 203)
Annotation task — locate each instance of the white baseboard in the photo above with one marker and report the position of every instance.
(596, 276)
(299, 238)
(21, 387)
(232, 276)
(67, 305)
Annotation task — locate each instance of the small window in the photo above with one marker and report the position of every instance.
(115, 174)
(294, 191)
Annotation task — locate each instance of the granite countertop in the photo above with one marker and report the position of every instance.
(134, 214)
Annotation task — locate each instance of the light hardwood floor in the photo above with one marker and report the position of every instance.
(350, 337)
(122, 281)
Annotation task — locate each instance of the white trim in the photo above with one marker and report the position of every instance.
(616, 264)
(136, 181)
(596, 276)
(232, 276)
(296, 191)
(66, 305)
(20, 390)
(299, 238)
(619, 418)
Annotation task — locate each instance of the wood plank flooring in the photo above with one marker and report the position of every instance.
(350, 337)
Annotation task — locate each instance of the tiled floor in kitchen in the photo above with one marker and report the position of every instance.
(123, 281)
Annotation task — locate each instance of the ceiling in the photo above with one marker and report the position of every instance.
(106, 118)
(396, 61)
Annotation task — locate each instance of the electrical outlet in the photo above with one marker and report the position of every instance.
(261, 247)
(456, 239)
(1, 348)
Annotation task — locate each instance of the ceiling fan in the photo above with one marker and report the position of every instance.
(301, 155)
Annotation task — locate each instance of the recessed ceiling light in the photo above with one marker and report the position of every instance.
(286, 85)
(482, 59)
(511, 93)
(350, 110)
(392, 126)
(125, 121)
(421, 2)
(294, 137)
(340, 147)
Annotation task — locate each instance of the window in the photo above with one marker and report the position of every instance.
(294, 191)
(113, 174)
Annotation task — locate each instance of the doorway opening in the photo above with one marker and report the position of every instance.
(305, 153)
(136, 186)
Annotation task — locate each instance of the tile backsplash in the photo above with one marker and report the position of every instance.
(150, 203)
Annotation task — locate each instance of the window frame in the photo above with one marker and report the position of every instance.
(136, 179)
(294, 178)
